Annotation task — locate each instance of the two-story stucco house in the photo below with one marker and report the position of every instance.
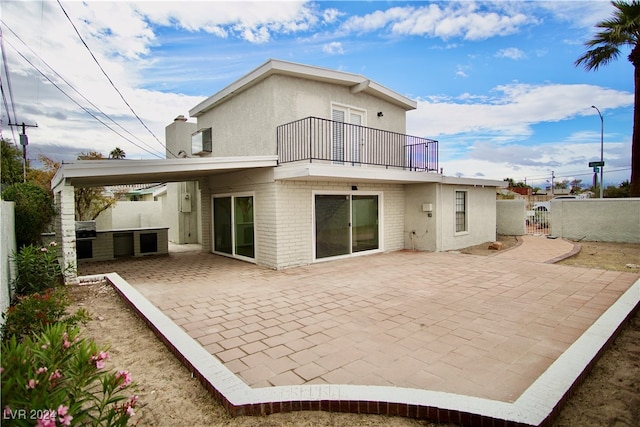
(298, 164)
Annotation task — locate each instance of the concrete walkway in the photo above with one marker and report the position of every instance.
(540, 248)
(462, 325)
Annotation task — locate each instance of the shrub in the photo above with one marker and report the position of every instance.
(56, 378)
(34, 210)
(31, 314)
(37, 269)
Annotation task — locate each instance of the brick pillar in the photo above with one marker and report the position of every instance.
(66, 228)
(207, 215)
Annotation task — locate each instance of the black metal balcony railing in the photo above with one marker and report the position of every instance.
(314, 138)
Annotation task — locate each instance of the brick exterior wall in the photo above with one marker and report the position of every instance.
(65, 225)
(295, 217)
(283, 216)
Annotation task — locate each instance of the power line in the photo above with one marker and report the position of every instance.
(4, 98)
(110, 81)
(78, 92)
(566, 175)
(78, 104)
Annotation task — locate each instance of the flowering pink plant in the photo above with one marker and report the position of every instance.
(57, 378)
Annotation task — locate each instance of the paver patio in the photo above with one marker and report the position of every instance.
(486, 327)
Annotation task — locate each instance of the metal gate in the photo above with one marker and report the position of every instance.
(538, 218)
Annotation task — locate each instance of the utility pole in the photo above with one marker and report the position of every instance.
(601, 163)
(24, 141)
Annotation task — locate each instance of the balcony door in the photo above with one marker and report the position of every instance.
(346, 224)
(347, 141)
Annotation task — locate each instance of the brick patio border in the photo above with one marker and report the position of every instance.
(539, 405)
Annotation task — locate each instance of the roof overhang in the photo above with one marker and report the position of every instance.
(356, 82)
(92, 173)
(341, 173)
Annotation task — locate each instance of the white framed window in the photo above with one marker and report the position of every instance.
(461, 211)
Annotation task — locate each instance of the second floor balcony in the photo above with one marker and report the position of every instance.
(315, 139)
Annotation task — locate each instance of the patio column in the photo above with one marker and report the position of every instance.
(207, 215)
(65, 224)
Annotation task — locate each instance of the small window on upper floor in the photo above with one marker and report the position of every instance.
(201, 142)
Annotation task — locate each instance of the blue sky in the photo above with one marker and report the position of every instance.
(495, 81)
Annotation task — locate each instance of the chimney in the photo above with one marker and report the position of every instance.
(180, 118)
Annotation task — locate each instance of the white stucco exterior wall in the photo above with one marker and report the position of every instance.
(510, 217)
(178, 137)
(7, 249)
(481, 217)
(600, 220)
(127, 214)
(278, 100)
(420, 229)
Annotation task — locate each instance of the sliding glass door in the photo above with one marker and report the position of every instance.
(364, 211)
(332, 225)
(233, 227)
(345, 224)
(243, 226)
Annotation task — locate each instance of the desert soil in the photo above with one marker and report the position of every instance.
(169, 396)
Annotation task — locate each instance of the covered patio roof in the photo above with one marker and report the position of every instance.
(87, 173)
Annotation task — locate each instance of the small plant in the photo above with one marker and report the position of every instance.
(33, 313)
(37, 269)
(56, 378)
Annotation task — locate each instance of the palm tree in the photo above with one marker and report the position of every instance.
(117, 153)
(621, 30)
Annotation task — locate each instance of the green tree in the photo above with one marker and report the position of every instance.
(513, 184)
(621, 190)
(43, 176)
(34, 210)
(619, 31)
(117, 153)
(576, 185)
(11, 167)
(91, 201)
(510, 182)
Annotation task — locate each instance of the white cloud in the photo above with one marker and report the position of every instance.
(443, 20)
(480, 134)
(460, 72)
(377, 20)
(510, 53)
(120, 46)
(254, 21)
(578, 14)
(514, 109)
(329, 16)
(333, 48)
(535, 163)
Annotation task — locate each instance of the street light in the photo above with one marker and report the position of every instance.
(601, 151)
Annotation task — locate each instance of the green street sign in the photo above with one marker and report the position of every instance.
(596, 170)
(595, 164)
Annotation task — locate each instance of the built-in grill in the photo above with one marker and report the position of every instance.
(85, 229)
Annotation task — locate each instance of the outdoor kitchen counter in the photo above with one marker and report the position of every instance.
(123, 242)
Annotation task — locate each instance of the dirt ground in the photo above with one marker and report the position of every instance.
(168, 396)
